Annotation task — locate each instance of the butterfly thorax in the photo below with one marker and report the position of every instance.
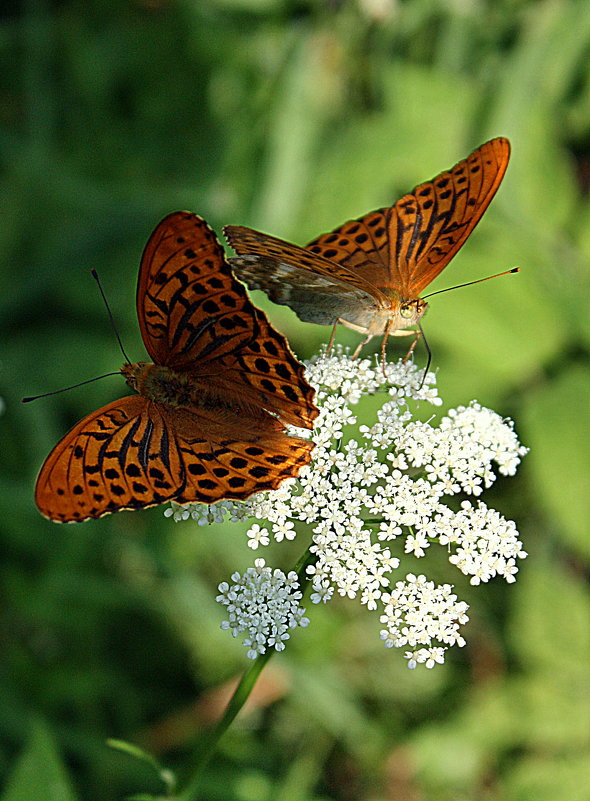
(164, 385)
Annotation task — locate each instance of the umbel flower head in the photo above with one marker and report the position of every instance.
(373, 494)
(264, 603)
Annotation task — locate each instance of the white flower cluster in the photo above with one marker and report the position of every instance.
(368, 486)
(265, 604)
(417, 613)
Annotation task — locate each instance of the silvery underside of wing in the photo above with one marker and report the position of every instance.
(315, 297)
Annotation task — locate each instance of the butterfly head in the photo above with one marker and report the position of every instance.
(134, 374)
(411, 311)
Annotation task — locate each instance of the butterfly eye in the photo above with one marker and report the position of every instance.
(406, 312)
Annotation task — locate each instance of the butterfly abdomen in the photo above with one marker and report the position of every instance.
(161, 384)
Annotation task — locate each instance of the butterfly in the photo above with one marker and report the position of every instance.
(208, 420)
(369, 273)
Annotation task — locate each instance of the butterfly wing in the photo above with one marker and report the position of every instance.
(102, 465)
(361, 245)
(195, 317)
(317, 289)
(135, 453)
(264, 373)
(190, 308)
(403, 248)
(390, 253)
(225, 456)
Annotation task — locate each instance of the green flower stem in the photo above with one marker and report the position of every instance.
(306, 559)
(236, 702)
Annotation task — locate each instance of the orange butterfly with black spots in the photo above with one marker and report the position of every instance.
(368, 274)
(208, 420)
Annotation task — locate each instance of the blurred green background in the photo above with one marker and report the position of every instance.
(291, 116)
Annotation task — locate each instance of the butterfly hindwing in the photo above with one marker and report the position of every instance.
(134, 453)
(233, 457)
(104, 465)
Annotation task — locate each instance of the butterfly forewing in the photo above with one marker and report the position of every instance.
(218, 336)
(403, 248)
(362, 246)
(438, 216)
(266, 372)
(189, 306)
(135, 453)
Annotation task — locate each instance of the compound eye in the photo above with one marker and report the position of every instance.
(406, 312)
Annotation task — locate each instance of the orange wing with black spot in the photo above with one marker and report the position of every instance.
(135, 453)
(195, 317)
(407, 245)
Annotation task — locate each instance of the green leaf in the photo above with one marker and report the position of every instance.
(297, 122)
(554, 424)
(147, 797)
(136, 752)
(549, 629)
(166, 776)
(40, 772)
(564, 777)
(496, 334)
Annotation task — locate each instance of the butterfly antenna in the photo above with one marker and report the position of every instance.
(429, 359)
(65, 389)
(470, 283)
(112, 319)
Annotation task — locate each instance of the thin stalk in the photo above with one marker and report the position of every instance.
(242, 692)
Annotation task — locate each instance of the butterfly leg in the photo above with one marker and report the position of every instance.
(332, 337)
(353, 327)
(361, 345)
(384, 343)
(417, 335)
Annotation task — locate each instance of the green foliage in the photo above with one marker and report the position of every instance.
(291, 117)
(39, 772)
(565, 402)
